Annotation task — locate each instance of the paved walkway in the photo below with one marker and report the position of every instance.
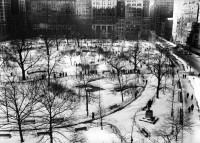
(187, 88)
(89, 119)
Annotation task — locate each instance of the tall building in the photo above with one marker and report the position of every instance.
(17, 28)
(83, 14)
(104, 18)
(55, 15)
(133, 18)
(189, 15)
(146, 21)
(163, 9)
(146, 8)
(5, 14)
(120, 21)
(11, 17)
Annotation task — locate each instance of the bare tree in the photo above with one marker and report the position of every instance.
(78, 137)
(101, 109)
(52, 60)
(117, 132)
(85, 82)
(165, 130)
(136, 56)
(158, 69)
(58, 106)
(20, 53)
(18, 103)
(124, 81)
(71, 54)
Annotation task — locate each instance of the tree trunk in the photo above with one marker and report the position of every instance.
(20, 130)
(67, 41)
(78, 42)
(51, 130)
(48, 70)
(57, 44)
(159, 79)
(87, 103)
(158, 89)
(47, 46)
(23, 73)
(122, 96)
(22, 65)
(101, 122)
(121, 90)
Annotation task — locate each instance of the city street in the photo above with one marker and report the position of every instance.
(192, 60)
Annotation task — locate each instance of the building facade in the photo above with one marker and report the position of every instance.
(162, 11)
(104, 18)
(120, 21)
(185, 21)
(83, 14)
(55, 15)
(133, 18)
(5, 14)
(146, 21)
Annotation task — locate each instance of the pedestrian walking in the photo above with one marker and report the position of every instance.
(192, 97)
(187, 95)
(192, 107)
(188, 109)
(92, 115)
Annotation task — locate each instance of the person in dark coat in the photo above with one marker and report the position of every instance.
(192, 97)
(189, 109)
(192, 107)
(187, 95)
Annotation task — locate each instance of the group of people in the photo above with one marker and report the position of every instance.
(188, 96)
(184, 75)
(190, 108)
(62, 74)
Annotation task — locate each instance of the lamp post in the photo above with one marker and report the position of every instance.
(7, 105)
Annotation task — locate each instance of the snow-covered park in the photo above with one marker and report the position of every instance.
(96, 93)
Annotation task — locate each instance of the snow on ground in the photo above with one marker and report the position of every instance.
(96, 135)
(194, 137)
(122, 119)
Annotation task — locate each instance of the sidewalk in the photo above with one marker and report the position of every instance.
(187, 89)
(187, 102)
(89, 119)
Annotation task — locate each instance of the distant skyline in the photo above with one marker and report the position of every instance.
(177, 11)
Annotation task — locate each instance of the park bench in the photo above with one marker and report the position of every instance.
(5, 135)
(113, 106)
(144, 132)
(31, 121)
(80, 129)
(43, 133)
